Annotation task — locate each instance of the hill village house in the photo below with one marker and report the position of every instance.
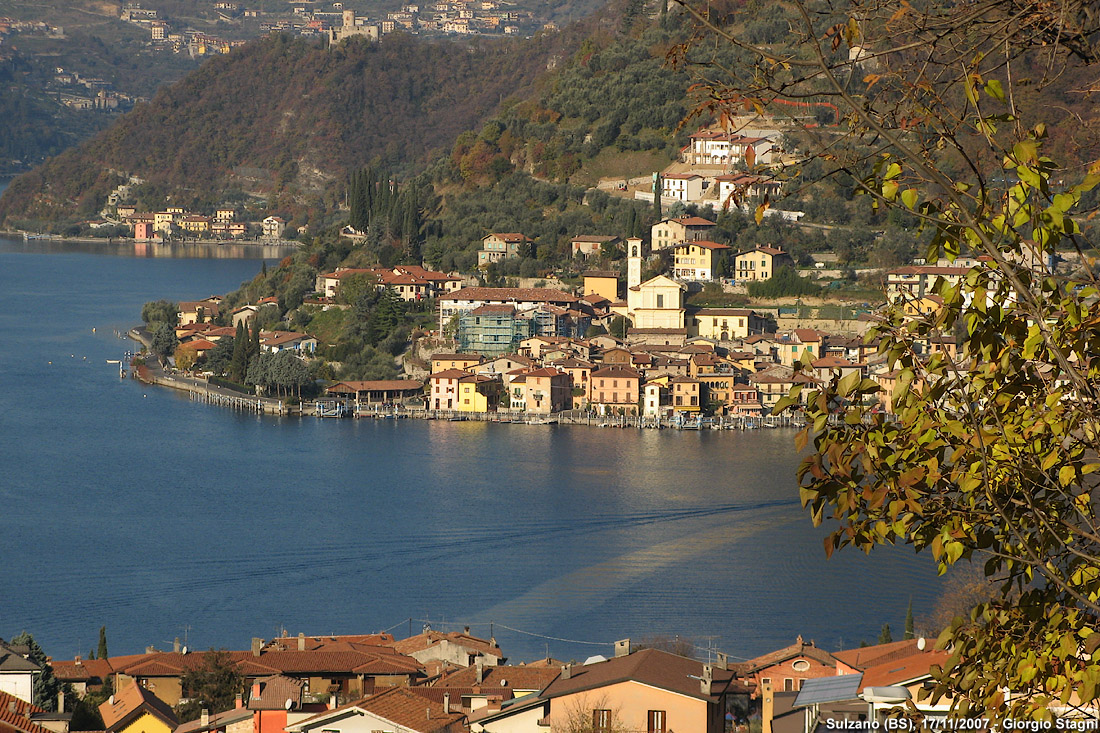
(456, 682)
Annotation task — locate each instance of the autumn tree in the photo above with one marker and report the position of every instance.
(991, 455)
(213, 685)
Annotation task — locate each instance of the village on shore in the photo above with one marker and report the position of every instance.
(456, 682)
(530, 352)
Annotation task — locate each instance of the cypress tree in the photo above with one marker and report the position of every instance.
(657, 196)
(254, 343)
(238, 362)
(102, 653)
(909, 630)
(885, 637)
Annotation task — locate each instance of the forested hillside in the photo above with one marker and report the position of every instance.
(287, 117)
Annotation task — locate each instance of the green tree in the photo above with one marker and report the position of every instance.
(213, 685)
(884, 636)
(992, 455)
(102, 649)
(164, 341)
(46, 685)
(160, 312)
(910, 632)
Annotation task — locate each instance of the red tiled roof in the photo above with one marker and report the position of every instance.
(272, 693)
(501, 677)
(132, 702)
(388, 385)
(538, 295)
(408, 707)
(616, 372)
(15, 715)
(649, 666)
(430, 638)
(449, 374)
(705, 244)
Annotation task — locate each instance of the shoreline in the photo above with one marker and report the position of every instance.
(321, 407)
(283, 243)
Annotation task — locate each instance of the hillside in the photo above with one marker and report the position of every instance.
(284, 118)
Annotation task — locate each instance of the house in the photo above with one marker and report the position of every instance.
(144, 230)
(580, 373)
(791, 347)
(670, 232)
(828, 368)
(686, 394)
(615, 390)
(135, 709)
(456, 647)
(198, 311)
(547, 390)
(686, 187)
(917, 281)
(738, 189)
(273, 227)
(19, 716)
(604, 283)
(195, 224)
(724, 324)
(277, 341)
(225, 213)
(787, 668)
(478, 686)
(760, 263)
(698, 260)
(164, 221)
(479, 393)
(718, 148)
(83, 675)
(503, 364)
(237, 720)
(498, 246)
(586, 245)
(275, 701)
(445, 389)
(465, 362)
(655, 399)
(398, 710)
(466, 299)
(17, 671)
(774, 383)
(646, 690)
(492, 329)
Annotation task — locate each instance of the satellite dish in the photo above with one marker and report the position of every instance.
(289, 704)
(184, 650)
(921, 643)
(504, 683)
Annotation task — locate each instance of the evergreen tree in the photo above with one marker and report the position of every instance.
(657, 197)
(909, 631)
(253, 349)
(102, 653)
(46, 686)
(238, 362)
(884, 636)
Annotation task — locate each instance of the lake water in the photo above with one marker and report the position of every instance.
(133, 507)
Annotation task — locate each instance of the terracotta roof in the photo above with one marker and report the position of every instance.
(705, 244)
(501, 677)
(389, 385)
(456, 357)
(15, 715)
(511, 236)
(430, 638)
(546, 372)
(617, 371)
(906, 669)
(869, 656)
(723, 312)
(449, 374)
(198, 345)
(215, 721)
(408, 707)
(131, 703)
(272, 693)
(325, 660)
(798, 649)
(284, 337)
(649, 666)
(693, 221)
(491, 309)
(595, 238)
(538, 295)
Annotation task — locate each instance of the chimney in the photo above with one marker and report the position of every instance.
(61, 701)
(301, 642)
(567, 671)
(255, 691)
(479, 665)
(150, 649)
(332, 704)
(446, 703)
(257, 644)
(78, 662)
(238, 702)
(708, 677)
(204, 718)
(723, 661)
(622, 647)
(466, 630)
(176, 645)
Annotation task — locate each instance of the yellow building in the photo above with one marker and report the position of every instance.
(760, 263)
(657, 303)
(478, 393)
(724, 324)
(137, 710)
(163, 221)
(686, 394)
(195, 224)
(697, 260)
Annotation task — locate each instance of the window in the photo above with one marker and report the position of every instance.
(601, 721)
(765, 680)
(788, 685)
(655, 721)
(660, 301)
(800, 665)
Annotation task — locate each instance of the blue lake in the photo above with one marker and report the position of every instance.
(161, 518)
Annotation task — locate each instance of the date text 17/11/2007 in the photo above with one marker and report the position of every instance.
(957, 725)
